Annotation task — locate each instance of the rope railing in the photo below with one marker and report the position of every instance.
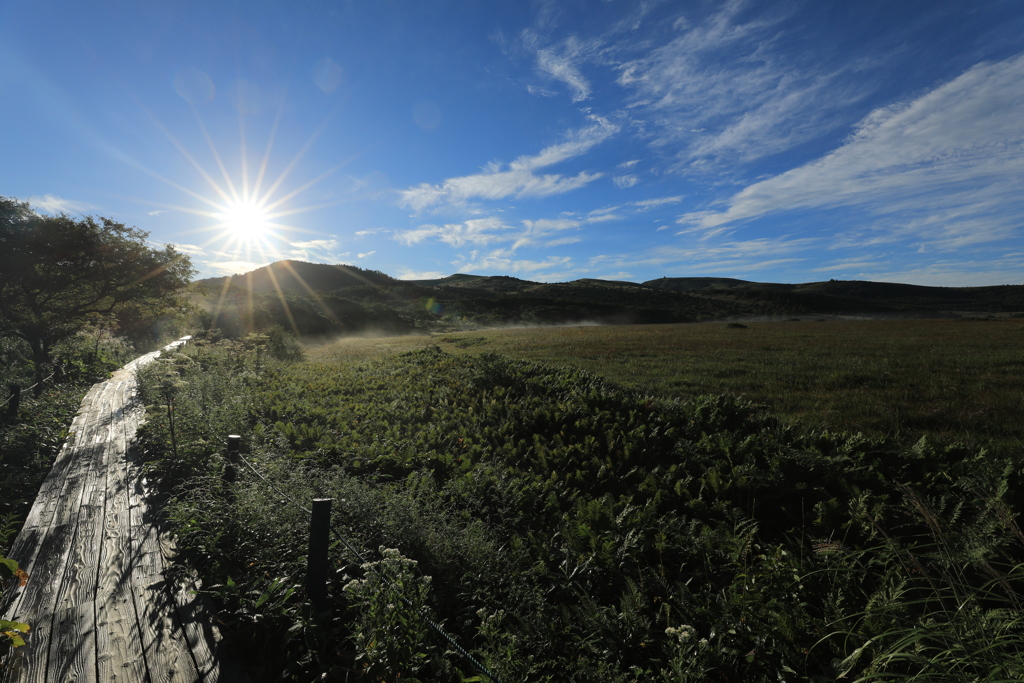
(421, 612)
(45, 379)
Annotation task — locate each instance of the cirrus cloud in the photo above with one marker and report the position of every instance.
(946, 168)
(519, 178)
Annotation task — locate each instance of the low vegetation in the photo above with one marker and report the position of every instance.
(31, 438)
(563, 527)
(955, 380)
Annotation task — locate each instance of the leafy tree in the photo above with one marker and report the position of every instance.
(58, 274)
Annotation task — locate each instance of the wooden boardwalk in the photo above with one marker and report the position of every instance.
(98, 598)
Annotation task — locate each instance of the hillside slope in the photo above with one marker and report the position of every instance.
(322, 299)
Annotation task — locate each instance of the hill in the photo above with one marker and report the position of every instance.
(299, 277)
(322, 299)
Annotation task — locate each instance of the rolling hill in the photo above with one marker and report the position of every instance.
(322, 299)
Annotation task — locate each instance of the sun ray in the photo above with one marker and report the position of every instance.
(195, 164)
(314, 294)
(284, 300)
(245, 212)
(302, 151)
(266, 153)
(216, 154)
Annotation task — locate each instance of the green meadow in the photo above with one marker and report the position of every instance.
(800, 501)
(952, 379)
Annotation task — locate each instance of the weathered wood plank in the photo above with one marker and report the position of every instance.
(204, 637)
(37, 601)
(118, 639)
(99, 601)
(168, 656)
(46, 564)
(73, 644)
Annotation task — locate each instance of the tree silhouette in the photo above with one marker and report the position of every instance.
(58, 274)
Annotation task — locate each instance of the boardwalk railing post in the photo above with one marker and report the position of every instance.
(15, 402)
(316, 568)
(231, 468)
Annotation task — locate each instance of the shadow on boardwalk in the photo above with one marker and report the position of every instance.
(101, 598)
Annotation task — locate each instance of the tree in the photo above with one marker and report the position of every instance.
(58, 274)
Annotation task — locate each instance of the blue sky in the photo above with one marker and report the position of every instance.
(551, 141)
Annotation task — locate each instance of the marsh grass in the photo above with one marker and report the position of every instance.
(951, 379)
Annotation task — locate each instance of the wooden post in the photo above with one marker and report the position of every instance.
(231, 469)
(319, 540)
(15, 403)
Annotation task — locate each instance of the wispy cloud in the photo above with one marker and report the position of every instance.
(723, 90)
(477, 232)
(366, 254)
(645, 204)
(53, 205)
(945, 169)
(563, 63)
(519, 178)
(190, 249)
(157, 212)
(731, 258)
(624, 181)
(231, 267)
(422, 275)
(504, 261)
(316, 244)
(317, 251)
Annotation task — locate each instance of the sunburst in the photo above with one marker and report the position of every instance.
(245, 213)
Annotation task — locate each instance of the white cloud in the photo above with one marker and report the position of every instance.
(562, 63)
(946, 169)
(316, 244)
(519, 179)
(157, 212)
(232, 267)
(53, 205)
(503, 261)
(481, 232)
(421, 275)
(730, 258)
(478, 232)
(722, 91)
(602, 218)
(540, 91)
(366, 254)
(645, 204)
(624, 181)
(190, 249)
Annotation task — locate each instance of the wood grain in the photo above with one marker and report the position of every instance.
(98, 598)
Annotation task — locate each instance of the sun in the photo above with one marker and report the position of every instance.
(245, 220)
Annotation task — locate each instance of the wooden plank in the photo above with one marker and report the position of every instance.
(72, 651)
(204, 637)
(41, 514)
(118, 639)
(37, 601)
(73, 644)
(166, 650)
(46, 564)
(79, 536)
(168, 656)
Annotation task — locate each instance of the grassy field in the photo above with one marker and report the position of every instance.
(954, 379)
(563, 528)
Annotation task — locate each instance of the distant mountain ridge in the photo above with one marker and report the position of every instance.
(316, 298)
